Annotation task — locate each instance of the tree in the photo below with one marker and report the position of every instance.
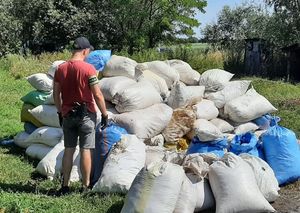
(145, 23)
(50, 25)
(10, 30)
(285, 25)
(115, 24)
(235, 25)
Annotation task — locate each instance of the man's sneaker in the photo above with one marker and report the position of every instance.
(64, 190)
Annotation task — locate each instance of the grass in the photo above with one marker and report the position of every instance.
(199, 56)
(20, 66)
(11, 90)
(285, 97)
(23, 190)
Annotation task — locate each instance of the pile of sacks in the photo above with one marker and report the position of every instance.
(179, 142)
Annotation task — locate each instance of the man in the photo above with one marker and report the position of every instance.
(75, 89)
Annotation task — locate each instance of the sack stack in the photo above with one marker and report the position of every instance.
(179, 141)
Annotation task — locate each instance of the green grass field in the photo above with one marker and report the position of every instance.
(23, 190)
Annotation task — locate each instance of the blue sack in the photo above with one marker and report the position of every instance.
(105, 139)
(260, 148)
(98, 58)
(266, 121)
(244, 143)
(216, 147)
(29, 127)
(282, 153)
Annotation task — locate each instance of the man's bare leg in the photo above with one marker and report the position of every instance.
(67, 165)
(85, 166)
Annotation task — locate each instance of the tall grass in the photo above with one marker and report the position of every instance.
(200, 59)
(22, 66)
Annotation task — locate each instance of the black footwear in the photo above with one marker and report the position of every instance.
(85, 189)
(64, 190)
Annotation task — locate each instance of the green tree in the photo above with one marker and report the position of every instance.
(10, 30)
(50, 25)
(145, 23)
(116, 24)
(235, 25)
(285, 24)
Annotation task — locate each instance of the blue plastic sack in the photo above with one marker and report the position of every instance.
(260, 148)
(266, 121)
(105, 139)
(216, 147)
(29, 127)
(244, 143)
(98, 58)
(282, 153)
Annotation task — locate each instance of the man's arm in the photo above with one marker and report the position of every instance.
(56, 96)
(98, 96)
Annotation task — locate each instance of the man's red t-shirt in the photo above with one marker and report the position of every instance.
(75, 78)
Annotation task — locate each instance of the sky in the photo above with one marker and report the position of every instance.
(212, 10)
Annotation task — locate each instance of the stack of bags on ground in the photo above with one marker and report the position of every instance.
(181, 142)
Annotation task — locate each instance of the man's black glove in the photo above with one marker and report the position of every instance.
(104, 121)
(60, 118)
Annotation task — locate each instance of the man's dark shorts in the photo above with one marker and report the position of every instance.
(83, 128)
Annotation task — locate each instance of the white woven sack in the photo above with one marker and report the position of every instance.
(195, 93)
(206, 131)
(38, 151)
(110, 86)
(173, 156)
(234, 186)
(196, 168)
(246, 127)
(51, 164)
(157, 82)
(137, 96)
(46, 114)
(54, 67)
(20, 139)
(222, 125)
(123, 163)
(154, 154)
(49, 136)
(215, 79)
(265, 177)
(49, 99)
(195, 164)
(155, 189)
(157, 140)
(145, 123)
(232, 90)
(41, 81)
(119, 66)
(248, 107)
(206, 109)
(187, 198)
(195, 195)
(163, 70)
(186, 73)
(182, 95)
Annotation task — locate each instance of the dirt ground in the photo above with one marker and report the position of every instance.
(289, 200)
